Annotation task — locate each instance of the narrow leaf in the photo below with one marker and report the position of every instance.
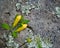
(38, 41)
(14, 34)
(25, 21)
(5, 26)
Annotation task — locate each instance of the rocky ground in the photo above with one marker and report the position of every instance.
(43, 21)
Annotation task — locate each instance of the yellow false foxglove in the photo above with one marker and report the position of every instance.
(22, 27)
(17, 19)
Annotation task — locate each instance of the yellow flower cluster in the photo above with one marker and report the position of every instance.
(16, 21)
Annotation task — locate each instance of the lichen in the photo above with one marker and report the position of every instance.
(10, 41)
(57, 11)
(37, 42)
(25, 8)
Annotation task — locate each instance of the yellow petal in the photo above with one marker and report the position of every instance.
(22, 28)
(18, 18)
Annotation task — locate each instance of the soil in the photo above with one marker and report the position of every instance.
(42, 21)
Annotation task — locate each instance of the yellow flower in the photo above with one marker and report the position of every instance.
(22, 27)
(17, 19)
(29, 40)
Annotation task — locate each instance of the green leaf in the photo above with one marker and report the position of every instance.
(39, 44)
(22, 19)
(19, 25)
(5, 26)
(38, 41)
(14, 34)
(25, 21)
